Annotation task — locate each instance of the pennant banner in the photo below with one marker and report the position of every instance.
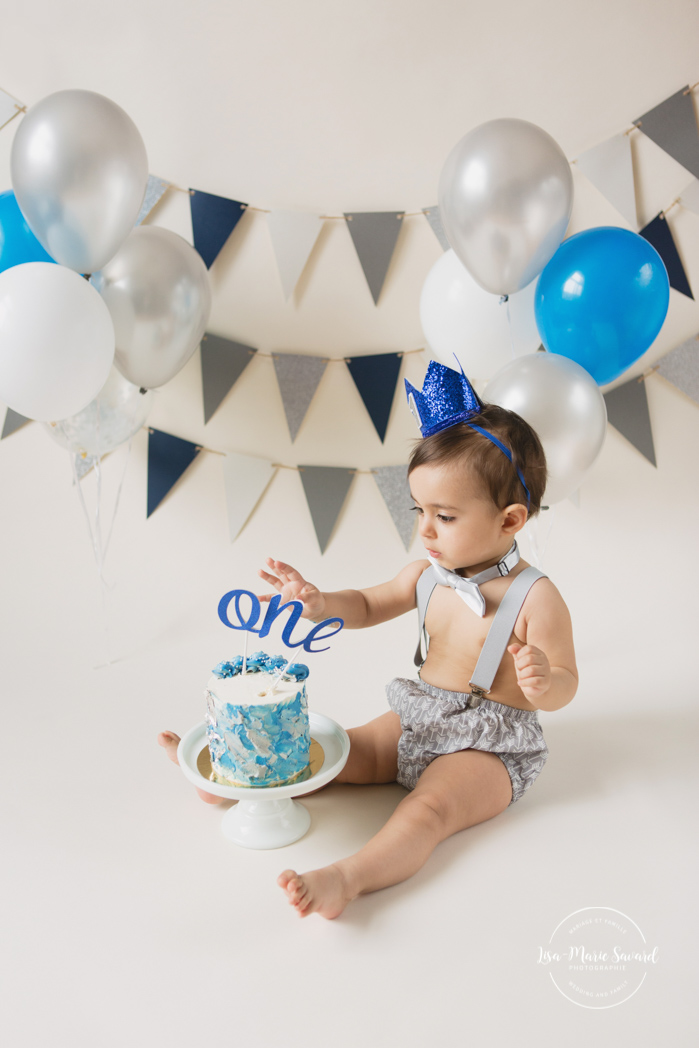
(659, 235)
(681, 367)
(690, 197)
(8, 108)
(432, 216)
(627, 410)
(375, 377)
(168, 458)
(13, 422)
(246, 480)
(673, 126)
(374, 234)
(392, 482)
(294, 234)
(298, 377)
(155, 189)
(222, 364)
(213, 220)
(326, 489)
(609, 167)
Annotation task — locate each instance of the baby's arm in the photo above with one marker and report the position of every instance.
(545, 664)
(358, 608)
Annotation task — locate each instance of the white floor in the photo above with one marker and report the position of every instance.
(129, 919)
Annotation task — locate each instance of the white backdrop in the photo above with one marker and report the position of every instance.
(127, 914)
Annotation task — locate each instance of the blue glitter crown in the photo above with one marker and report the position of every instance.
(447, 398)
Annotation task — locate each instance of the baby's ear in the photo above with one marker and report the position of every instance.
(515, 517)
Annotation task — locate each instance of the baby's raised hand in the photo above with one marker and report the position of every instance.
(533, 669)
(292, 586)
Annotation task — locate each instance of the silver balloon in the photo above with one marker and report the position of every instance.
(505, 198)
(117, 412)
(564, 404)
(157, 290)
(79, 172)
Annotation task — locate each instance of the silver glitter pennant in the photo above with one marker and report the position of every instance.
(392, 482)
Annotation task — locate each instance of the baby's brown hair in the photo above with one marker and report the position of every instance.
(491, 465)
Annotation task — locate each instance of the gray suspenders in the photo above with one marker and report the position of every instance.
(498, 635)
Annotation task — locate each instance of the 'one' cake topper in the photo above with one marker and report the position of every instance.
(295, 607)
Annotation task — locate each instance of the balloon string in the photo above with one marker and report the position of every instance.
(538, 548)
(509, 326)
(101, 552)
(76, 480)
(118, 496)
(95, 539)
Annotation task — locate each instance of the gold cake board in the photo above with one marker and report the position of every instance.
(316, 759)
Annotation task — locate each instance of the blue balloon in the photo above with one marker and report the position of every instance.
(17, 242)
(602, 299)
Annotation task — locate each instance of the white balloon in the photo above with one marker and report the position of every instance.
(56, 341)
(564, 404)
(458, 316)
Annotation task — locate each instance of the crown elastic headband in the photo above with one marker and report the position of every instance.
(448, 398)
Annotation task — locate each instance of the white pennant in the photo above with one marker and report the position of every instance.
(293, 235)
(689, 197)
(246, 479)
(610, 168)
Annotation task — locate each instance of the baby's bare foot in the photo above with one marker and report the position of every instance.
(320, 891)
(169, 741)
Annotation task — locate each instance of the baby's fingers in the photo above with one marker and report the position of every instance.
(271, 579)
(285, 570)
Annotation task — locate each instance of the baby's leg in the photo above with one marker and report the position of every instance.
(169, 741)
(373, 753)
(455, 791)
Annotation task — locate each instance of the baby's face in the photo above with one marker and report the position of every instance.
(459, 524)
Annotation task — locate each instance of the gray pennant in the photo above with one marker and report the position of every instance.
(13, 422)
(326, 489)
(155, 189)
(681, 367)
(374, 234)
(298, 377)
(673, 126)
(432, 216)
(222, 364)
(627, 410)
(392, 482)
(83, 465)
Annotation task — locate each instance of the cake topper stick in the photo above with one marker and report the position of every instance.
(245, 653)
(270, 691)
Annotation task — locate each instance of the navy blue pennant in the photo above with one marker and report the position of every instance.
(213, 220)
(375, 377)
(168, 458)
(659, 235)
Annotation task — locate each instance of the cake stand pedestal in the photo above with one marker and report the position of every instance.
(267, 817)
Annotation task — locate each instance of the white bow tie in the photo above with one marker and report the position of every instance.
(468, 589)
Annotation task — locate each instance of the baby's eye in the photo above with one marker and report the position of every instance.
(446, 520)
(416, 509)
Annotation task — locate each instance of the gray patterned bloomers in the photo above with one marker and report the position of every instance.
(435, 721)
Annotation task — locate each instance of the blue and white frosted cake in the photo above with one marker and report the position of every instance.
(257, 722)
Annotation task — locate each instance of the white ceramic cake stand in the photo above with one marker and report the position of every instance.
(268, 817)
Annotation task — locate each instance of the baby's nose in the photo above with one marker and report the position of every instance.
(426, 527)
